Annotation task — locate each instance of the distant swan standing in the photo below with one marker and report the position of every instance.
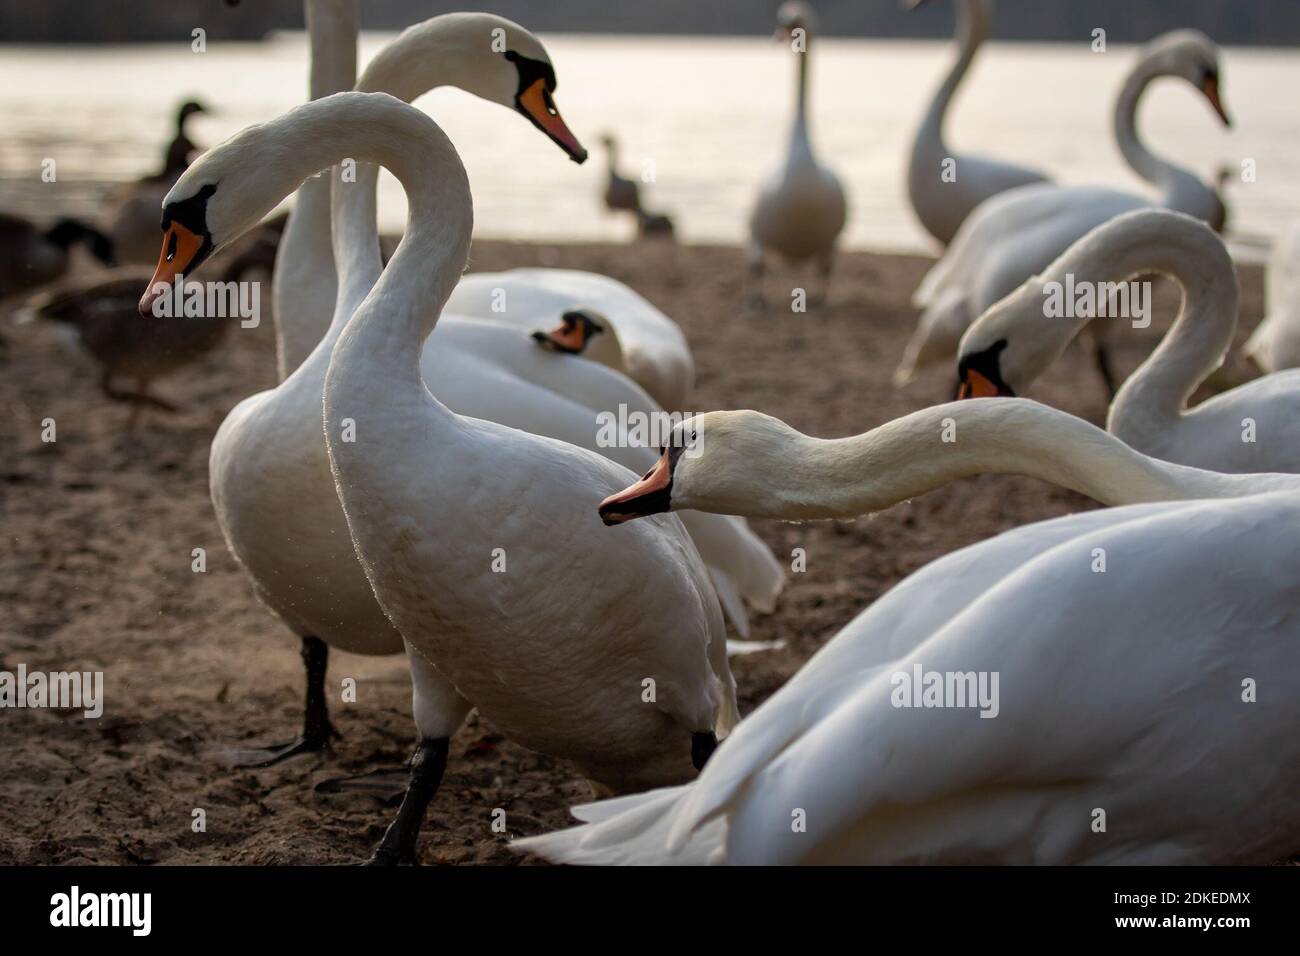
(942, 202)
(1130, 689)
(801, 211)
(1254, 427)
(1018, 233)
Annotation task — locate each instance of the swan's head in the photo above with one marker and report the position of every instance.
(188, 109)
(795, 15)
(1194, 57)
(720, 462)
(574, 333)
(483, 54)
(1010, 345)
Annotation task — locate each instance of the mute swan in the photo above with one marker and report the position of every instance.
(429, 494)
(270, 481)
(940, 203)
(31, 256)
(304, 285)
(801, 210)
(1121, 689)
(1251, 428)
(1018, 233)
(655, 353)
(1275, 343)
(747, 463)
(588, 333)
(270, 476)
(134, 227)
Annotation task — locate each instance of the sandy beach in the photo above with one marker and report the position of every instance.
(100, 525)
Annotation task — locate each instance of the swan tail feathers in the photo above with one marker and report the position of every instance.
(626, 831)
(937, 336)
(729, 598)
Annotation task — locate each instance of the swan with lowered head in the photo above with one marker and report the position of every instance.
(1192, 603)
(634, 687)
(943, 203)
(801, 210)
(1017, 233)
(1254, 427)
(654, 350)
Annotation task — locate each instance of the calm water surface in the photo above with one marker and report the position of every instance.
(707, 117)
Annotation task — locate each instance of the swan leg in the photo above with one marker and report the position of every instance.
(703, 743)
(317, 731)
(427, 766)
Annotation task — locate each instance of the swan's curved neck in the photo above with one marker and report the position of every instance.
(1195, 345)
(972, 31)
(387, 331)
(1169, 177)
(303, 286)
(851, 477)
(423, 58)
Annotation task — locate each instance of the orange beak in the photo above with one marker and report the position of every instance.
(976, 385)
(647, 497)
(565, 338)
(181, 249)
(536, 103)
(1211, 90)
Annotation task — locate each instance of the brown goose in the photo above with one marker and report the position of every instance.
(102, 311)
(31, 256)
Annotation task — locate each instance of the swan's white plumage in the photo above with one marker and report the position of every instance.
(1275, 343)
(1254, 427)
(942, 204)
(1016, 234)
(655, 351)
(1121, 690)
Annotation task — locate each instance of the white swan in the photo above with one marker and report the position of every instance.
(1251, 428)
(633, 686)
(271, 485)
(801, 210)
(1122, 690)
(269, 472)
(304, 284)
(1275, 343)
(653, 349)
(1017, 233)
(940, 202)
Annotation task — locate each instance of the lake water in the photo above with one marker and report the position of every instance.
(709, 116)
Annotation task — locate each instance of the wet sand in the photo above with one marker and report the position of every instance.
(95, 575)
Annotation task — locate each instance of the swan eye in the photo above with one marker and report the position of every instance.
(171, 247)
